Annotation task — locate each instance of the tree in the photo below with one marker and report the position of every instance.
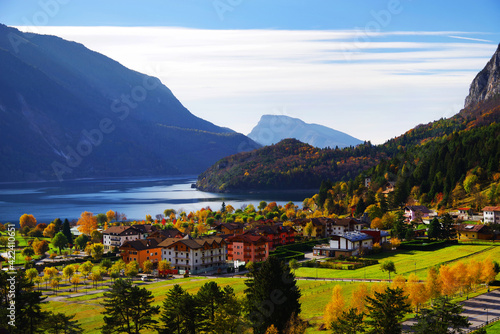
(4, 241)
(31, 274)
(388, 266)
(434, 230)
(28, 252)
(433, 284)
(49, 231)
(27, 307)
(209, 299)
(60, 323)
(40, 246)
(349, 322)
(68, 272)
(132, 269)
(180, 312)
(147, 266)
(228, 314)
(58, 224)
(128, 309)
(163, 265)
(294, 264)
(85, 268)
(335, 307)
(87, 223)
(442, 318)
(417, 293)
(96, 236)
(81, 241)
(386, 310)
(308, 229)
(110, 215)
(358, 298)
(272, 294)
(97, 251)
(60, 241)
(66, 230)
(27, 220)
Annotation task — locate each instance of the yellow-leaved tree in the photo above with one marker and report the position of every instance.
(358, 298)
(335, 307)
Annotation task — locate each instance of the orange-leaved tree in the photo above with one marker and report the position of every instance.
(27, 220)
(335, 307)
(87, 223)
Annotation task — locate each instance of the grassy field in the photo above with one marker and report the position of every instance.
(407, 262)
(315, 296)
(493, 329)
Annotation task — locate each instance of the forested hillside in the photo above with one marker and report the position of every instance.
(289, 164)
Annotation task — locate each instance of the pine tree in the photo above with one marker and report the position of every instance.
(272, 295)
(128, 308)
(180, 312)
(66, 230)
(386, 310)
(440, 317)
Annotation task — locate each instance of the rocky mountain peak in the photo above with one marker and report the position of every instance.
(486, 84)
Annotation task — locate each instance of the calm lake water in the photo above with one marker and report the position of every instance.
(135, 197)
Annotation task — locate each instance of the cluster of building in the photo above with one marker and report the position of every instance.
(238, 242)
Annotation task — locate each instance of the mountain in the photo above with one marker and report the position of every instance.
(273, 128)
(486, 84)
(430, 161)
(287, 165)
(69, 112)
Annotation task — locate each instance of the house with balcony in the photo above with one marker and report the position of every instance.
(416, 212)
(116, 236)
(248, 247)
(347, 244)
(141, 250)
(278, 234)
(167, 233)
(474, 232)
(491, 214)
(195, 255)
(230, 228)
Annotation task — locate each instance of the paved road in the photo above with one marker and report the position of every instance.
(479, 310)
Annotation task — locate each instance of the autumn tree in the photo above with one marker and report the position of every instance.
(433, 283)
(87, 223)
(96, 236)
(448, 283)
(68, 272)
(417, 293)
(110, 215)
(335, 307)
(49, 231)
(132, 269)
(27, 220)
(97, 251)
(147, 266)
(28, 253)
(358, 298)
(59, 241)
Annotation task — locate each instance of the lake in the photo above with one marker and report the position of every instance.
(135, 197)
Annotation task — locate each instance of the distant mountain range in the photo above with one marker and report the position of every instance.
(271, 129)
(68, 112)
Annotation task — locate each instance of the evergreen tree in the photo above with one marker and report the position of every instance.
(434, 230)
(128, 309)
(349, 322)
(180, 312)
(272, 296)
(66, 230)
(448, 231)
(58, 224)
(61, 323)
(210, 298)
(386, 310)
(442, 316)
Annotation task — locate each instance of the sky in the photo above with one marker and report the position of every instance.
(373, 69)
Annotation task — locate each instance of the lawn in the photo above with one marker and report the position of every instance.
(315, 296)
(493, 329)
(407, 262)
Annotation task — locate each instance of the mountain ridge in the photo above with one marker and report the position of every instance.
(70, 112)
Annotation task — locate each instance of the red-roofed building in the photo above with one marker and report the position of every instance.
(248, 247)
(277, 233)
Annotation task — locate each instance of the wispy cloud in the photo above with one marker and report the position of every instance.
(472, 39)
(335, 78)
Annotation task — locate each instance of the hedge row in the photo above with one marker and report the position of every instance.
(426, 245)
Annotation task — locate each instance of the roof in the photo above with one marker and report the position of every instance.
(421, 208)
(144, 228)
(491, 208)
(355, 236)
(271, 229)
(142, 244)
(168, 233)
(231, 226)
(346, 221)
(251, 238)
(195, 243)
(122, 230)
(473, 228)
(464, 209)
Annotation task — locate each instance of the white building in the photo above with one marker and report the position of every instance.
(116, 236)
(347, 244)
(195, 255)
(491, 214)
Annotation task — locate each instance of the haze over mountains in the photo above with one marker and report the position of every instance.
(68, 112)
(273, 128)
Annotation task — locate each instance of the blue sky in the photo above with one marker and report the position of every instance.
(373, 69)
